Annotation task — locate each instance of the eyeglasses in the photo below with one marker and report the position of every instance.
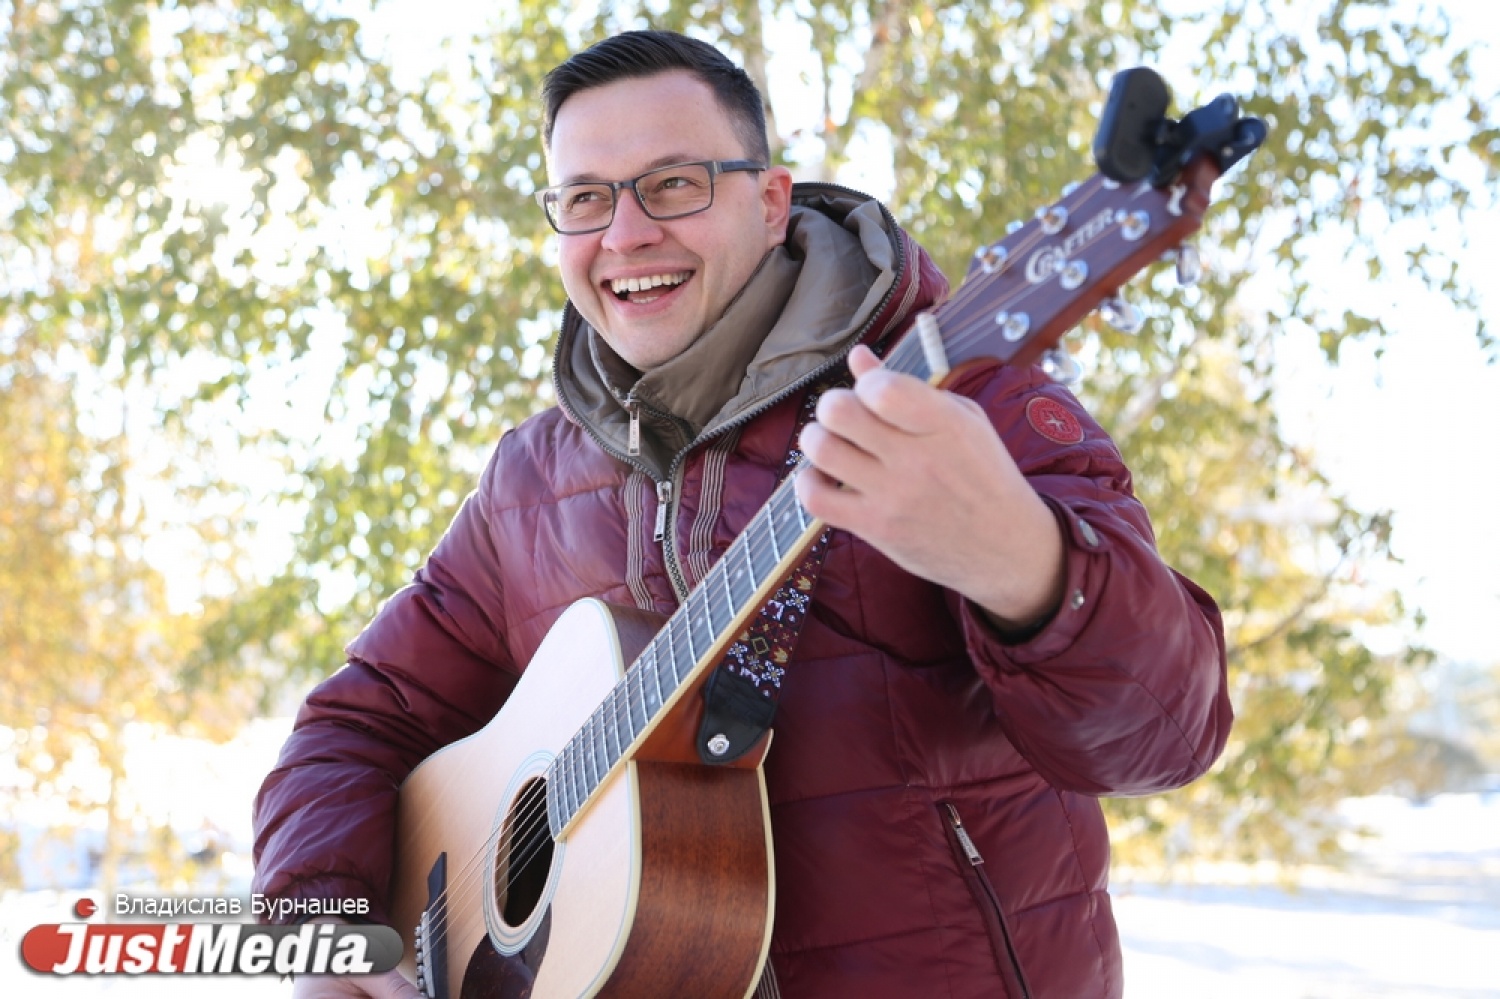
(668, 192)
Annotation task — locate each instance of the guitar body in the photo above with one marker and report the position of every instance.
(662, 886)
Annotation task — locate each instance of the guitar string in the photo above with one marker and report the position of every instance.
(527, 820)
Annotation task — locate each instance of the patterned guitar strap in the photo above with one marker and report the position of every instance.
(741, 693)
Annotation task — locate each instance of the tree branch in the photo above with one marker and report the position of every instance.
(755, 65)
(884, 30)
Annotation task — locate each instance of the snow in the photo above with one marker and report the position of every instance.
(1415, 915)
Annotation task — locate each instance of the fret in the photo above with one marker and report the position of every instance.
(635, 699)
(730, 604)
(742, 580)
(576, 765)
(570, 779)
(803, 520)
(614, 723)
(580, 768)
(700, 630)
(711, 597)
(555, 804)
(785, 527)
(678, 636)
(591, 777)
(596, 745)
(757, 551)
(685, 617)
(652, 707)
(771, 526)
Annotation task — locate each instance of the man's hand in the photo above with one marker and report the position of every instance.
(920, 474)
(387, 986)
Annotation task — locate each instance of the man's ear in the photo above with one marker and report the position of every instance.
(776, 202)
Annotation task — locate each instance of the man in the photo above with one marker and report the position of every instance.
(993, 641)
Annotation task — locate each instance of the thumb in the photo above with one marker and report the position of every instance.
(397, 987)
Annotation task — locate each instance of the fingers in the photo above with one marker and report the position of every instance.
(841, 453)
(399, 988)
(902, 401)
(884, 416)
(827, 499)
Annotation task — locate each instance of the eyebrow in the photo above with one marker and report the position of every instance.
(656, 164)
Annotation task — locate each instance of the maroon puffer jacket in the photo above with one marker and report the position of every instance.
(902, 715)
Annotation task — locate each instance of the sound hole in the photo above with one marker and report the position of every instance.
(526, 854)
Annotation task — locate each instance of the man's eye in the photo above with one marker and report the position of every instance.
(675, 183)
(574, 200)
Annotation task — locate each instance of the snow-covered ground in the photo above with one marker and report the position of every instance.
(1415, 916)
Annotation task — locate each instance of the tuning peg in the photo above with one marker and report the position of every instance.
(1059, 366)
(1189, 265)
(1053, 219)
(991, 258)
(1134, 225)
(1121, 314)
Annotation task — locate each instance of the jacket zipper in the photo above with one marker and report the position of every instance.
(633, 438)
(980, 884)
(667, 487)
(663, 500)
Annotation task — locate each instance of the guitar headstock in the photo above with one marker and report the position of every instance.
(1025, 292)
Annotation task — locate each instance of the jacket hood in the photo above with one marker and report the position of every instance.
(841, 258)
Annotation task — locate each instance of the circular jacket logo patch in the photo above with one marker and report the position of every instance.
(1053, 421)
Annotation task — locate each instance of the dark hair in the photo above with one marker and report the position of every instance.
(647, 53)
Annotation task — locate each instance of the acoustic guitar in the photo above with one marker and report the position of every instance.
(577, 845)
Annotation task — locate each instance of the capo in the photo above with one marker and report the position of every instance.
(1136, 138)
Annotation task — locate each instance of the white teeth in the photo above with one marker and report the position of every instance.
(621, 286)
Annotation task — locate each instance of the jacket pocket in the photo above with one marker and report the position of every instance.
(971, 866)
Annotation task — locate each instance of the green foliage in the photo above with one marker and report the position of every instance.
(238, 198)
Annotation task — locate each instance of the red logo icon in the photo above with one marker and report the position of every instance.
(85, 907)
(1053, 421)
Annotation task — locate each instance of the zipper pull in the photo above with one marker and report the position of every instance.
(970, 850)
(663, 500)
(633, 442)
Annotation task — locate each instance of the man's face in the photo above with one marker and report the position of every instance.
(619, 131)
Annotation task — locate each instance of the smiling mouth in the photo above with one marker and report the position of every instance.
(647, 288)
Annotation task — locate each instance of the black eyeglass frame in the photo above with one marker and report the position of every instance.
(715, 167)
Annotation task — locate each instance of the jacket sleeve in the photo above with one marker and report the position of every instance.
(1123, 691)
(431, 668)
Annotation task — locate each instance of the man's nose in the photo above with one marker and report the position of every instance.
(631, 226)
